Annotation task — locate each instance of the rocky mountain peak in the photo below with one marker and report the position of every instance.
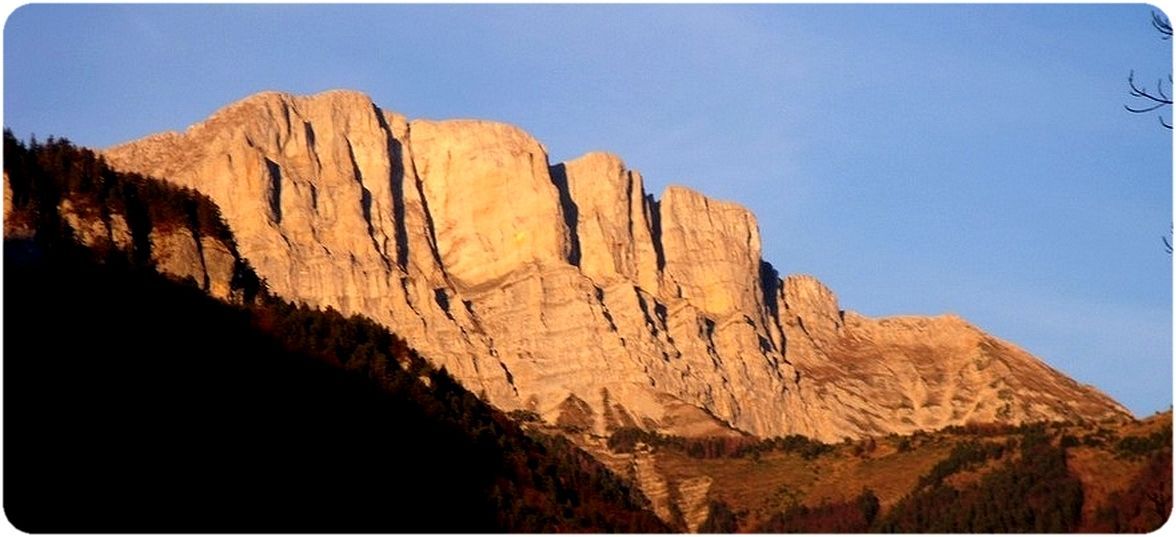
(605, 205)
(607, 164)
(712, 252)
(812, 306)
(493, 206)
(567, 290)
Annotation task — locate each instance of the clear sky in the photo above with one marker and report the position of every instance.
(918, 159)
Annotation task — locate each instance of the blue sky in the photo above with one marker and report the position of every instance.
(918, 159)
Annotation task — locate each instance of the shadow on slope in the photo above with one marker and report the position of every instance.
(137, 404)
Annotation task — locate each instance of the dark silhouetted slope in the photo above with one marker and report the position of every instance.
(135, 403)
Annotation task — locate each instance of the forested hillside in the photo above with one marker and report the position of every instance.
(137, 403)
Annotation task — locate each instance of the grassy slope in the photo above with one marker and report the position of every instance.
(758, 487)
(764, 487)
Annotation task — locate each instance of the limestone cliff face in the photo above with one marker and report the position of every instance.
(902, 374)
(567, 289)
(610, 217)
(491, 200)
(712, 253)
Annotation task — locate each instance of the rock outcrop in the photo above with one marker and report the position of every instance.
(910, 373)
(491, 200)
(569, 291)
(692, 496)
(181, 252)
(610, 218)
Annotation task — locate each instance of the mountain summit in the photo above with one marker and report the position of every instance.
(567, 290)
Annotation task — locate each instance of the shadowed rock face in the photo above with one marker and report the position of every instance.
(181, 252)
(568, 287)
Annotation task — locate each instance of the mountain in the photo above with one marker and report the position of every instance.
(568, 291)
(199, 401)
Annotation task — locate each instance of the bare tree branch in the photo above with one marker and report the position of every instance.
(1153, 101)
(1161, 97)
(1162, 25)
(1148, 109)
(1139, 91)
(1150, 102)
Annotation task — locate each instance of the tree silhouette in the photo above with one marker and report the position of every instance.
(1149, 101)
(1152, 101)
